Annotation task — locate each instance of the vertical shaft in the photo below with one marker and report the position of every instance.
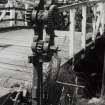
(34, 85)
(37, 90)
(40, 81)
(103, 79)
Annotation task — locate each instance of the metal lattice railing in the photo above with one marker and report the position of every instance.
(97, 21)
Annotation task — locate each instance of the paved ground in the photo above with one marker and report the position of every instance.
(14, 51)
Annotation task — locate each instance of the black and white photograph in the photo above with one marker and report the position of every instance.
(52, 52)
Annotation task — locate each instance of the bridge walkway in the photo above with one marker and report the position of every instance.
(14, 51)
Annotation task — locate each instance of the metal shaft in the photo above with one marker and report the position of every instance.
(37, 90)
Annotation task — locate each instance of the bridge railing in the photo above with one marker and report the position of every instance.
(13, 14)
(97, 22)
(15, 20)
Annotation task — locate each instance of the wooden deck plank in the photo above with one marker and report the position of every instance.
(16, 68)
(17, 62)
(18, 50)
(15, 74)
(11, 82)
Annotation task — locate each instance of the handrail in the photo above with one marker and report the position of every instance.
(27, 2)
(79, 4)
(15, 8)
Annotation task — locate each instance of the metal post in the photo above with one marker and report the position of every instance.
(37, 86)
(26, 7)
(40, 51)
(102, 19)
(72, 32)
(40, 84)
(34, 85)
(83, 38)
(103, 80)
(38, 64)
(99, 15)
(94, 23)
(12, 13)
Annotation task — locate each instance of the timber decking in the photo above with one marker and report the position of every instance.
(14, 51)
